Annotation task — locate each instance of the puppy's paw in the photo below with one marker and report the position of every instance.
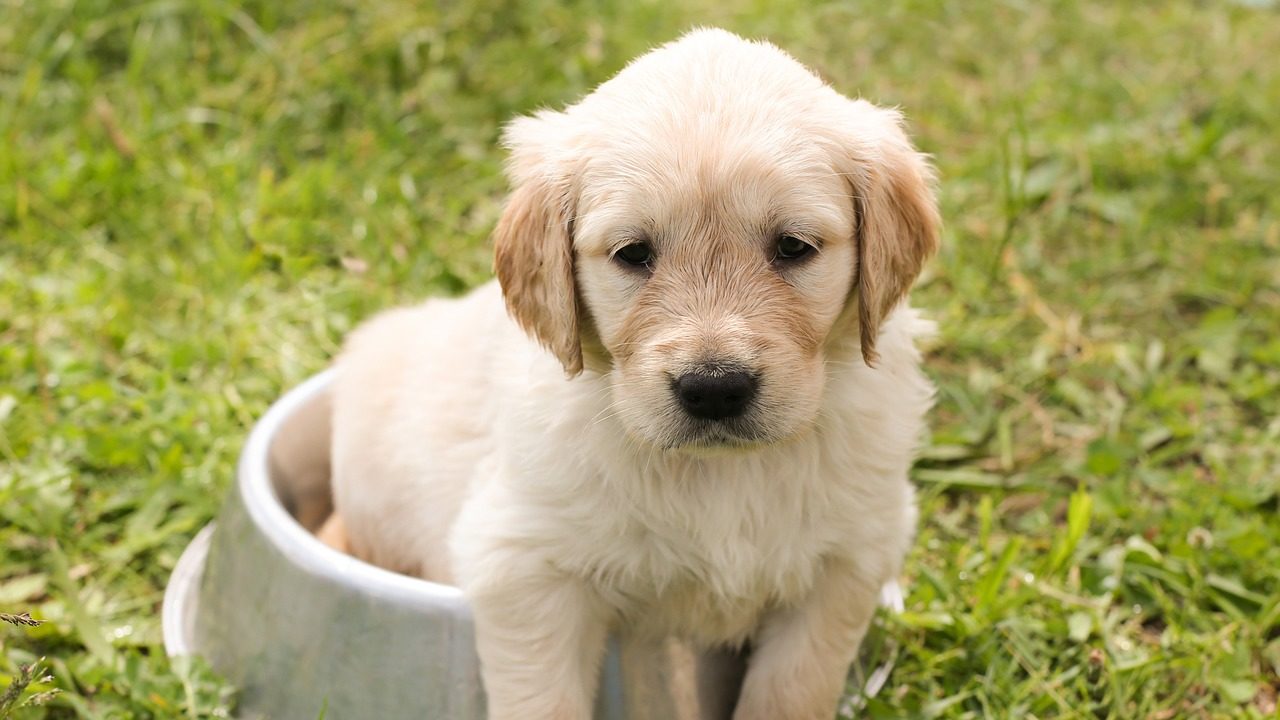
(334, 534)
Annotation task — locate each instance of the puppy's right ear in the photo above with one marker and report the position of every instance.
(533, 243)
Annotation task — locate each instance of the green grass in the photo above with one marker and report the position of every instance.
(198, 199)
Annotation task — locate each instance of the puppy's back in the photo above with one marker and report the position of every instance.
(412, 418)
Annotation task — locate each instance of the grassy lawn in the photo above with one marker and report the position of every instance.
(199, 199)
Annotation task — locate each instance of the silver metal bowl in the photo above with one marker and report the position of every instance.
(304, 630)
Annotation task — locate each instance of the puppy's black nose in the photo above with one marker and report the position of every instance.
(715, 397)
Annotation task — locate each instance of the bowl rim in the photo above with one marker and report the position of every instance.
(300, 546)
(180, 603)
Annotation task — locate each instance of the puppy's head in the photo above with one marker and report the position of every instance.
(707, 228)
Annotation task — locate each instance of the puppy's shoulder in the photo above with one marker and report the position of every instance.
(901, 336)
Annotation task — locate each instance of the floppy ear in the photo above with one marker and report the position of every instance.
(533, 243)
(897, 215)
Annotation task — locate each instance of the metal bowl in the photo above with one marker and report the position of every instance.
(304, 630)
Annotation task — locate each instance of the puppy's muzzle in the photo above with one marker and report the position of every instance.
(715, 395)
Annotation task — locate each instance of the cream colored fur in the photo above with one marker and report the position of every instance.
(562, 488)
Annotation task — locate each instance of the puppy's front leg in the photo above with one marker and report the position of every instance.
(802, 654)
(540, 638)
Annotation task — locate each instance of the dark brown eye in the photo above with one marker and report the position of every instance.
(637, 254)
(792, 248)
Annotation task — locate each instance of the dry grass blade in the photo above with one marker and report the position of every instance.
(21, 619)
(11, 700)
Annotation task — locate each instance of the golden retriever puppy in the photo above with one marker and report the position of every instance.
(689, 405)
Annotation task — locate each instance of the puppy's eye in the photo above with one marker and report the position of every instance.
(791, 248)
(637, 254)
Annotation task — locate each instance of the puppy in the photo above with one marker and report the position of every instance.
(696, 413)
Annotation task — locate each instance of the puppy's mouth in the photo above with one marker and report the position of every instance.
(711, 436)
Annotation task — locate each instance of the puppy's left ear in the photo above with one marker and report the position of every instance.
(533, 242)
(897, 213)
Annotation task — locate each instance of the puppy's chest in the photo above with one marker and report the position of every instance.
(710, 572)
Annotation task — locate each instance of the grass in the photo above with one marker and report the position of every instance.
(199, 198)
